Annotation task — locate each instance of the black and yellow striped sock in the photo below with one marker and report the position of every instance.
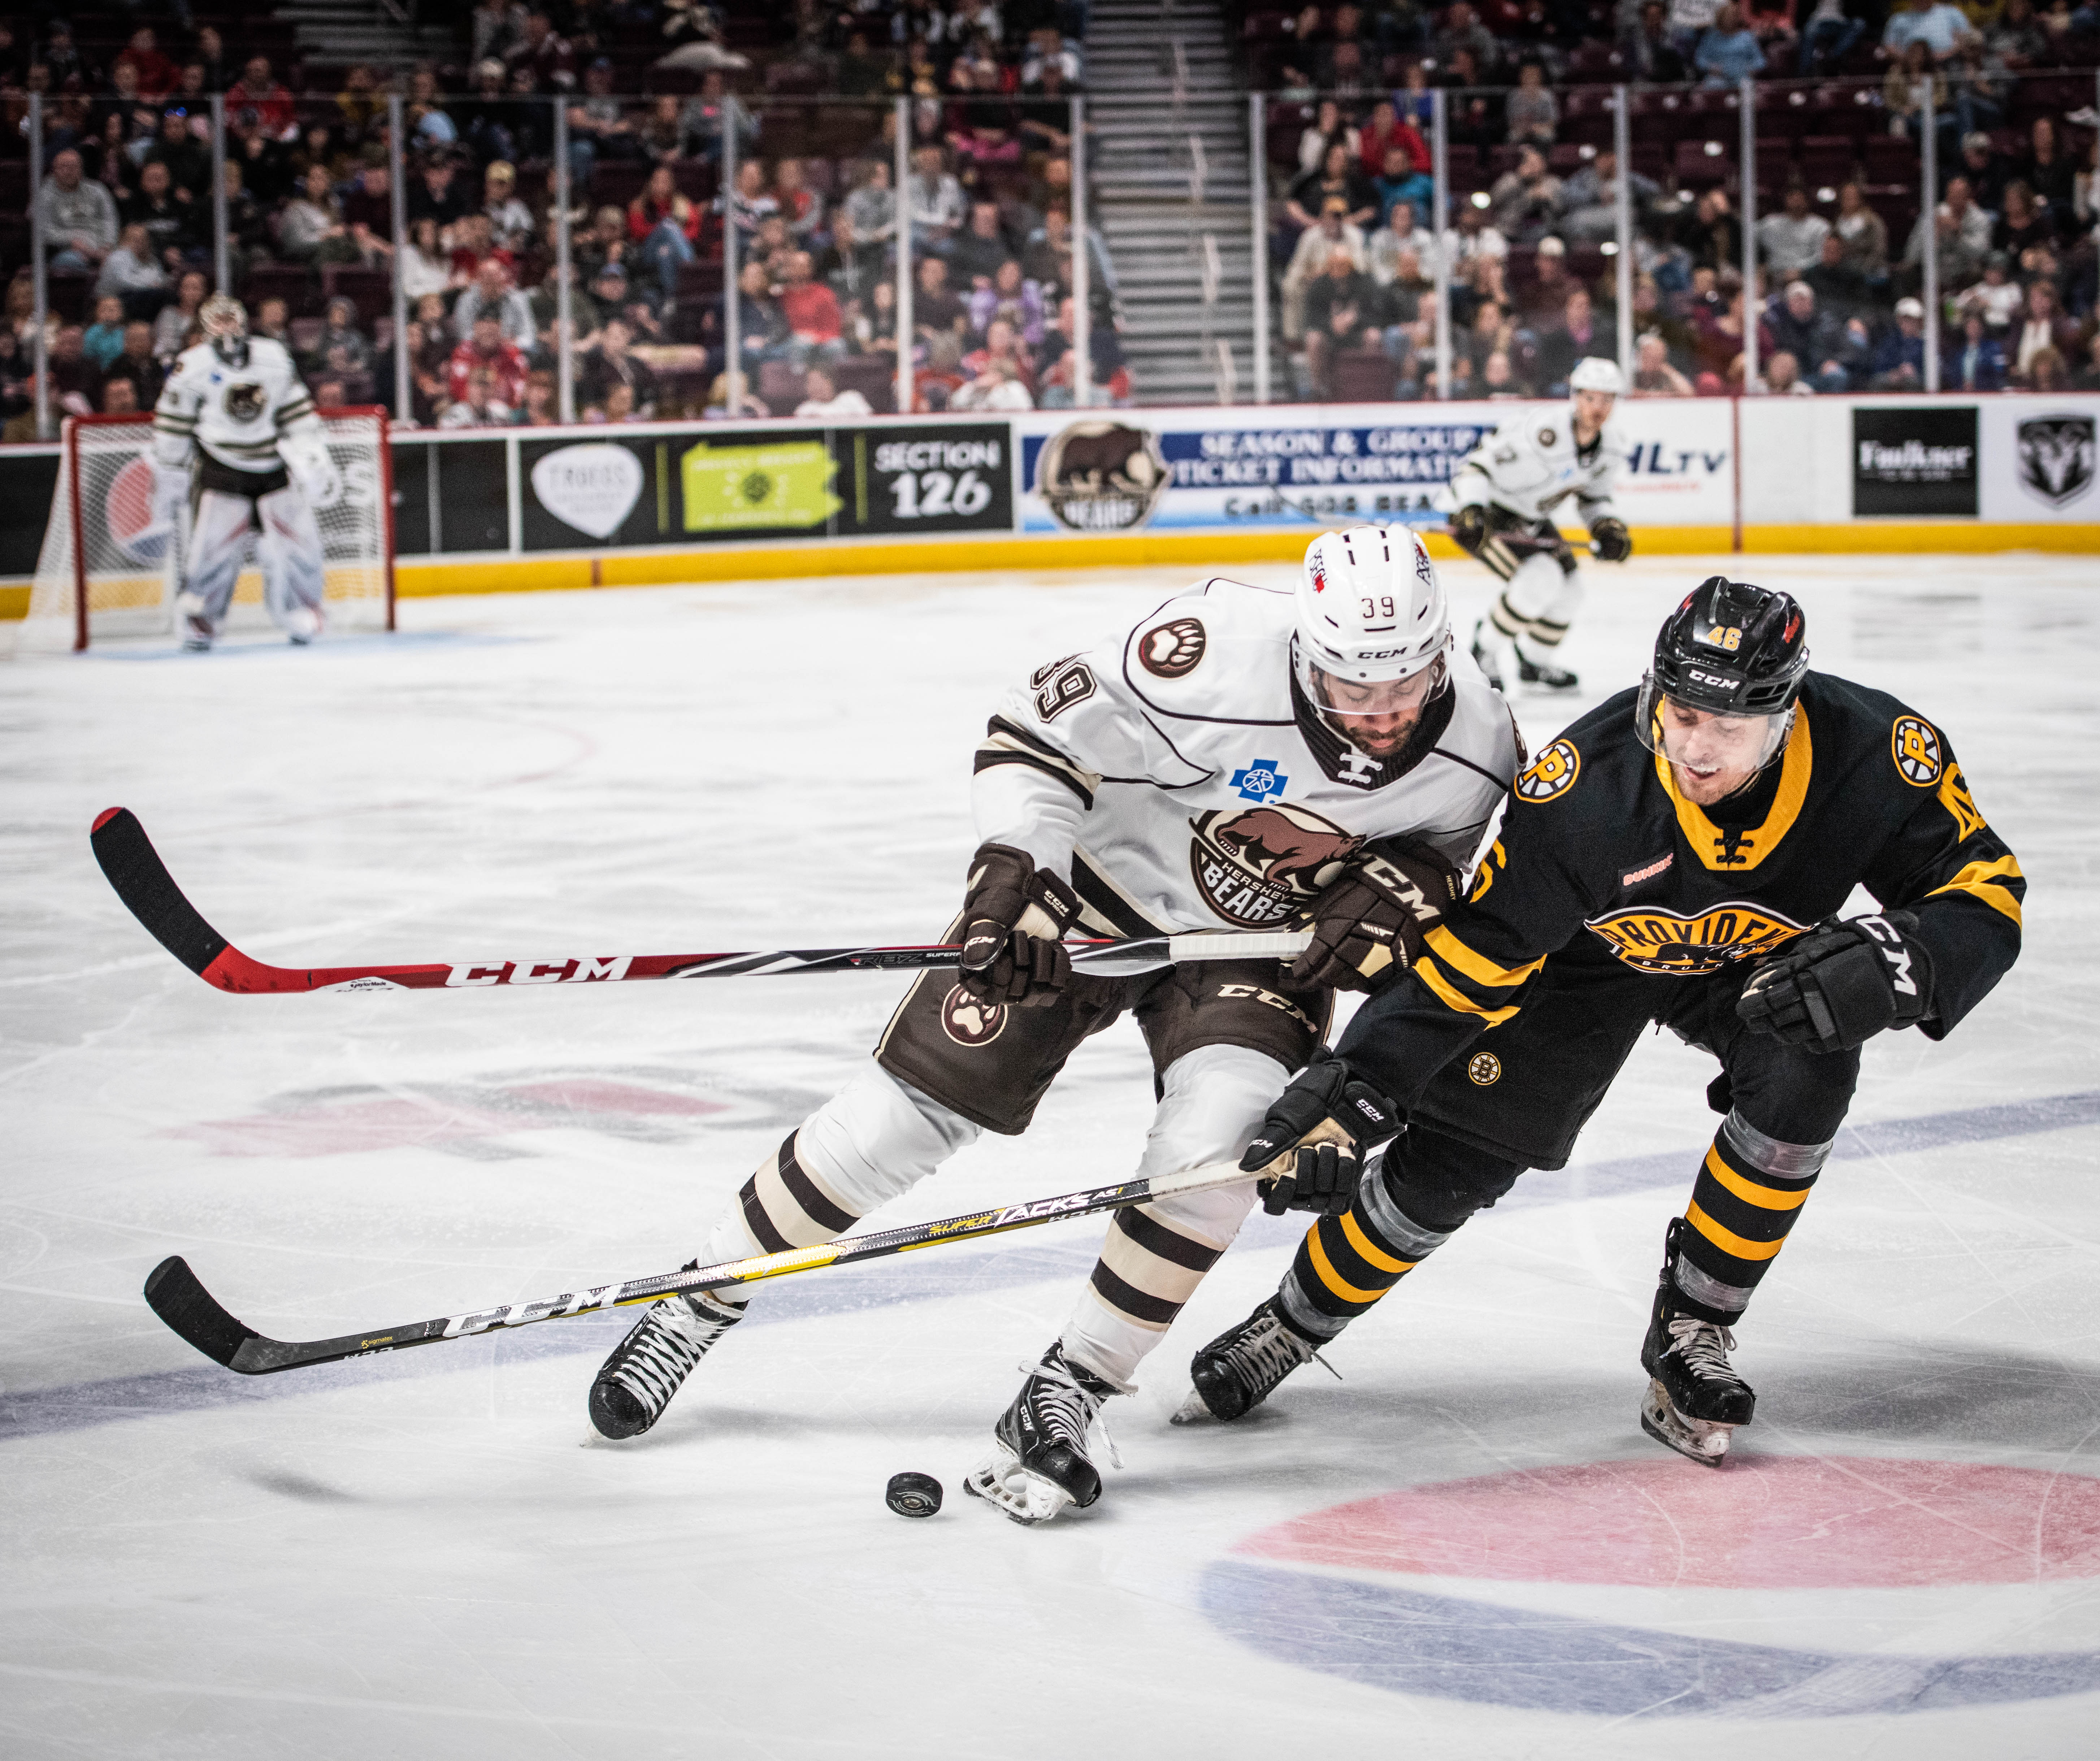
(1748, 1197)
(1347, 1263)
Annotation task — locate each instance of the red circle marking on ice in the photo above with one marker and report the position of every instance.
(1765, 1523)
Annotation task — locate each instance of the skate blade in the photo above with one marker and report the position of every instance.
(1024, 1497)
(1192, 1411)
(1699, 1440)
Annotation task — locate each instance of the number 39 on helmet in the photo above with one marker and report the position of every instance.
(1371, 612)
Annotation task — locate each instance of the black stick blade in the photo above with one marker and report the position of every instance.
(134, 868)
(174, 1293)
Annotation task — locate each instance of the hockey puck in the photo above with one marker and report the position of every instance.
(913, 1495)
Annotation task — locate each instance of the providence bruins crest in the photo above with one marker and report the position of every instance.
(1260, 867)
(1651, 939)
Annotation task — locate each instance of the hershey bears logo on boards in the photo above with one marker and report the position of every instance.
(1653, 940)
(1172, 649)
(1101, 476)
(244, 401)
(1915, 746)
(1260, 867)
(970, 1020)
(2056, 458)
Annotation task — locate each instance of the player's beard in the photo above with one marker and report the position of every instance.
(1385, 746)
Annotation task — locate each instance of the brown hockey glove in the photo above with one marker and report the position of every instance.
(1611, 541)
(1469, 528)
(1310, 1150)
(1368, 925)
(1014, 919)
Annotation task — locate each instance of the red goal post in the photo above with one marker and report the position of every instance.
(107, 570)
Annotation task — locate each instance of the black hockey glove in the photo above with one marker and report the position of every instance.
(1310, 1150)
(1610, 539)
(1014, 919)
(1368, 926)
(1838, 985)
(1469, 528)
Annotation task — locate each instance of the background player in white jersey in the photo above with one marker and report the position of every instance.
(1503, 496)
(1242, 758)
(232, 420)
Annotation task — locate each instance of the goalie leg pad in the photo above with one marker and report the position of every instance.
(294, 578)
(217, 546)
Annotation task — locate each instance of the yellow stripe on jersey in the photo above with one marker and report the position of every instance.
(1985, 880)
(1477, 967)
(1728, 1240)
(1331, 1278)
(1451, 997)
(1750, 847)
(1765, 1197)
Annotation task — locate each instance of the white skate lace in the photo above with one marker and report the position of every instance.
(1070, 1408)
(1704, 1348)
(1265, 1356)
(661, 1352)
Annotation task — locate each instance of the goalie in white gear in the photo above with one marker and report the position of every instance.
(1242, 758)
(1503, 497)
(236, 438)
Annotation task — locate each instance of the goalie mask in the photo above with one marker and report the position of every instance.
(1372, 625)
(224, 323)
(1728, 665)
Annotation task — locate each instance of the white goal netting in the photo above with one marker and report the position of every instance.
(104, 551)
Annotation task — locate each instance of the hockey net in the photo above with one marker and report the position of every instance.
(108, 570)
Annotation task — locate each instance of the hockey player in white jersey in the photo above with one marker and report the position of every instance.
(1242, 758)
(235, 438)
(1503, 498)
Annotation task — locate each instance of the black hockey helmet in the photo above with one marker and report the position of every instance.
(1731, 649)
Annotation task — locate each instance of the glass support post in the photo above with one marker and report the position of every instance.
(222, 250)
(1928, 213)
(40, 309)
(565, 358)
(906, 331)
(1442, 236)
(1747, 207)
(1623, 201)
(1083, 266)
(404, 407)
(1258, 229)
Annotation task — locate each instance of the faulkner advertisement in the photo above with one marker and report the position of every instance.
(1238, 469)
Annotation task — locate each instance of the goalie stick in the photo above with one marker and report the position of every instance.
(178, 1295)
(134, 868)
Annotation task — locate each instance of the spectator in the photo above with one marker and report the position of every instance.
(2087, 379)
(802, 207)
(2048, 372)
(120, 397)
(663, 227)
(1328, 128)
(1709, 233)
(604, 240)
(1791, 240)
(873, 323)
(257, 91)
(1689, 21)
(104, 340)
(273, 321)
(426, 266)
(1010, 299)
(310, 230)
(822, 399)
(542, 408)
(486, 350)
(1937, 24)
(436, 194)
(1911, 79)
(849, 268)
(935, 310)
(248, 242)
(587, 311)
(1384, 130)
(610, 365)
(994, 388)
(1576, 335)
(1401, 185)
(479, 404)
(1647, 50)
(1816, 340)
(814, 325)
(1337, 179)
(1997, 299)
(764, 326)
(510, 220)
(1963, 232)
(1056, 365)
(79, 216)
(548, 57)
(76, 382)
(933, 203)
(1863, 235)
(154, 71)
(980, 251)
(1827, 37)
(173, 329)
(494, 294)
(1988, 170)
(1462, 32)
(872, 205)
(342, 351)
(2042, 328)
(1728, 52)
(1653, 375)
(499, 27)
(1898, 362)
(1532, 112)
(430, 125)
(134, 364)
(2024, 222)
(187, 159)
(1003, 341)
(1400, 237)
(1839, 286)
(1524, 201)
(1589, 203)
(599, 128)
(730, 399)
(2017, 39)
(1343, 311)
(1308, 262)
(1975, 363)
(1783, 377)
(1979, 83)
(1547, 299)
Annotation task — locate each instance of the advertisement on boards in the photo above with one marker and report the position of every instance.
(2039, 459)
(1914, 461)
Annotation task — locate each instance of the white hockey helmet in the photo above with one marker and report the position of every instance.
(1596, 373)
(1373, 627)
(223, 320)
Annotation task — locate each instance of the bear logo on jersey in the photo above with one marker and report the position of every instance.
(970, 1020)
(1173, 650)
(1651, 939)
(1263, 865)
(1915, 746)
(1552, 773)
(244, 401)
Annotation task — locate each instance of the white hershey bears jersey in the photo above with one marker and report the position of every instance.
(1177, 775)
(1530, 465)
(236, 414)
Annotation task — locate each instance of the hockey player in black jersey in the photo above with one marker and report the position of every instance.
(1678, 855)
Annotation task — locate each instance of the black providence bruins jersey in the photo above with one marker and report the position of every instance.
(1601, 866)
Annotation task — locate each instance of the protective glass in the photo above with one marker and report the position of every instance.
(1700, 739)
(1372, 697)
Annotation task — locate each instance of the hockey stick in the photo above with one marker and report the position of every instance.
(142, 881)
(177, 1296)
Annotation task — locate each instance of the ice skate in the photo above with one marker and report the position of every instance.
(1039, 1465)
(636, 1382)
(1542, 674)
(1242, 1366)
(189, 618)
(1695, 1399)
(1496, 656)
(302, 623)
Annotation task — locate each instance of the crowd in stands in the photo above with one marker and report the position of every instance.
(1842, 223)
(127, 208)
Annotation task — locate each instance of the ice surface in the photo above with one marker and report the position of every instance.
(427, 1554)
